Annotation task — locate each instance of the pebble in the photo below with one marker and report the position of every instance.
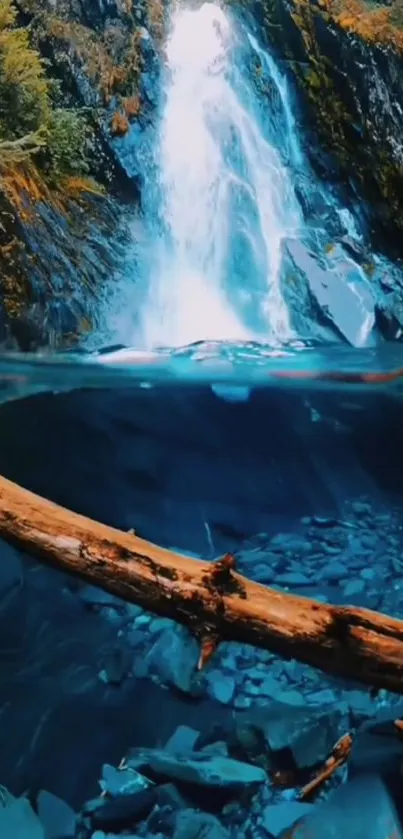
(242, 702)
(367, 574)
(289, 542)
(221, 687)
(323, 697)
(334, 571)
(354, 587)
(141, 620)
(182, 740)
(360, 508)
(158, 624)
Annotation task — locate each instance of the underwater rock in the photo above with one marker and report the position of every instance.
(376, 748)
(342, 293)
(277, 817)
(124, 811)
(173, 658)
(308, 734)
(58, 819)
(221, 686)
(182, 740)
(198, 768)
(121, 781)
(17, 818)
(191, 824)
(362, 807)
(334, 571)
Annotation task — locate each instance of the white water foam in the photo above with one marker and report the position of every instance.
(224, 198)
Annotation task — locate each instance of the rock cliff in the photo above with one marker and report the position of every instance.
(346, 56)
(65, 186)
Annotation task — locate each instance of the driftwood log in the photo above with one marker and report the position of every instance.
(210, 598)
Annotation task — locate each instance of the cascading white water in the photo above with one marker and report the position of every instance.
(224, 199)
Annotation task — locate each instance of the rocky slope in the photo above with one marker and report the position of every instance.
(64, 186)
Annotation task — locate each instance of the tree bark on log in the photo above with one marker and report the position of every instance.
(210, 598)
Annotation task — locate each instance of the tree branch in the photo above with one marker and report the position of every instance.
(24, 146)
(212, 599)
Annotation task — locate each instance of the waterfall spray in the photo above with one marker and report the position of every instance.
(224, 200)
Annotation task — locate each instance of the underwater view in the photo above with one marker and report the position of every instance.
(201, 419)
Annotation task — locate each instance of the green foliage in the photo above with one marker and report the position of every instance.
(67, 141)
(57, 136)
(24, 100)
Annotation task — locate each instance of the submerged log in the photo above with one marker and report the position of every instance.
(211, 598)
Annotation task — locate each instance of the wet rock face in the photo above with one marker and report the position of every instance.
(69, 246)
(63, 237)
(351, 82)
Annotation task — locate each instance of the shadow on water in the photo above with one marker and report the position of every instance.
(186, 469)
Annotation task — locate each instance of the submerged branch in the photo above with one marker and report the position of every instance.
(212, 599)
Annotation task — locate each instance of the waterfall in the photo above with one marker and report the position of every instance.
(222, 199)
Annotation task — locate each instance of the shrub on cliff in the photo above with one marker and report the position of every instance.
(66, 151)
(29, 124)
(24, 95)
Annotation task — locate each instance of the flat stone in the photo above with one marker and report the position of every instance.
(323, 697)
(218, 748)
(173, 658)
(334, 571)
(262, 573)
(121, 781)
(361, 703)
(354, 587)
(198, 768)
(18, 820)
(122, 812)
(291, 697)
(270, 687)
(361, 808)
(242, 701)
(221, 687)
(368, 574)
(309, 733)
(191, 824)
(158, 624)
(57, 817)
(277, 817)
(376, 749)
(289, 542)
(360, 508)
(182, 740)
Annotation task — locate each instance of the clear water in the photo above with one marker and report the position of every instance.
(230, 422)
